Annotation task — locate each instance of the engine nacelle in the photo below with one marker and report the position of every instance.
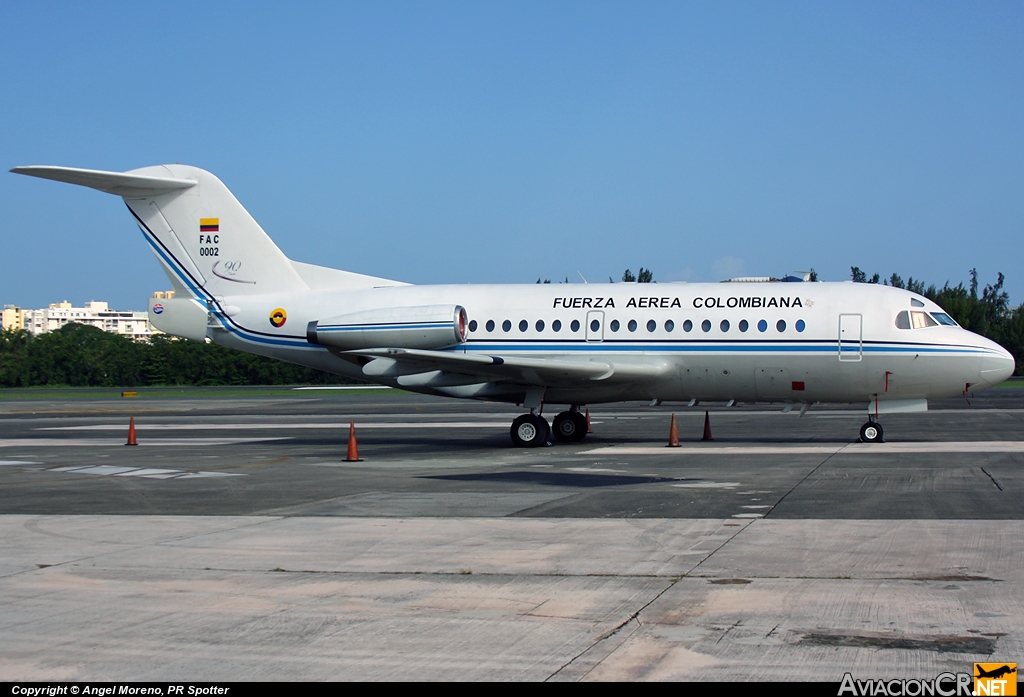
(419, 327)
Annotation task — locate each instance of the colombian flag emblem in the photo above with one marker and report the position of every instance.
(209, 225)
(278, 317)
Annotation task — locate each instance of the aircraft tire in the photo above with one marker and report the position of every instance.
(570, 427)
(871, 432)
(530, 431)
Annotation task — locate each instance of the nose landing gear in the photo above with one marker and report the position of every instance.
(871, 432)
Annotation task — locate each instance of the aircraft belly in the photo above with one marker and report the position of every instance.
(317, 358)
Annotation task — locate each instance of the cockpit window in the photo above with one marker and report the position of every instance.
(943, 318)
(921, 320)
(914, 302)
(917, 320)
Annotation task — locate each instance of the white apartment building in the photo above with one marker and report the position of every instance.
(95, 313)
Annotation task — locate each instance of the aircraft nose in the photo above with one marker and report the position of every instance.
(996, 367)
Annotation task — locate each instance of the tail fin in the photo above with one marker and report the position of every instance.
(206, 241)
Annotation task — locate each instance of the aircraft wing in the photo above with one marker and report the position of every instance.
(395, 362)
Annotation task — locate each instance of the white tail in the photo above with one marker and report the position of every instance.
(206, 241)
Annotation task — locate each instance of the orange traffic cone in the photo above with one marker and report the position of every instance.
(707, 427)
(589, 429)
(353, 449)
(131, 432)
(673, 434)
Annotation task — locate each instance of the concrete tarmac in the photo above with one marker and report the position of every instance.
(235, 543)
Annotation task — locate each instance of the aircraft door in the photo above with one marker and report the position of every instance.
(595, 325)
(851, 337)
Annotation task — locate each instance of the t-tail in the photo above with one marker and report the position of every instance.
(206, 241)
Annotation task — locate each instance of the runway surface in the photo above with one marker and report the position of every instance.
(236, 543)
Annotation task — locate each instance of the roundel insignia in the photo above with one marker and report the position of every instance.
(278, 317)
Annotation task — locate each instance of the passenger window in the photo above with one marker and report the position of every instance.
(800, 326)
(651, 325)
(921, 320)
(614, 325)
(762, 326)
(594, 325)
(490, 325)
(780, 325)
(705, 326)
(687, 326)
(632, 325)
(575, 326)
(523, 325)
(724, 326)
(669, 325)
(472, 325)
(540, 325)
(506, 326)
(744, 325)
(557, 325)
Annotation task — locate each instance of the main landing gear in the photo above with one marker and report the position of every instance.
(570, 426)
(871, 432)
(532, 430)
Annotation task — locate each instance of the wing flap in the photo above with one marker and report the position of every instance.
(394, 362)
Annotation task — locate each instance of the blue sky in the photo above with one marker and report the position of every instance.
(502, 142)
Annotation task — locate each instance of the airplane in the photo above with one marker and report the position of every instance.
(994, 673)
(541, 344)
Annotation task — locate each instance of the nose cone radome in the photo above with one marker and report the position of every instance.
(996, 366)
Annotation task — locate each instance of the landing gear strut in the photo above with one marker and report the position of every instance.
(871, 432)
(530, 431)
(570, 426)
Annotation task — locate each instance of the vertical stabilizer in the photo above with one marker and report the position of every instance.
(210, 239)
(205, 239)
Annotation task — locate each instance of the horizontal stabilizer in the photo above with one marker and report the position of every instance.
(118, 183)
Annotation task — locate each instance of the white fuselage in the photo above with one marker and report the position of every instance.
(531, 344)
(721, 341)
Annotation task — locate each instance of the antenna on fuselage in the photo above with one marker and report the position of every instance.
(581, 276)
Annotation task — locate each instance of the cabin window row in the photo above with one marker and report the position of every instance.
(632, 325)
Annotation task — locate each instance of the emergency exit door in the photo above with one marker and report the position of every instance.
(851, 337)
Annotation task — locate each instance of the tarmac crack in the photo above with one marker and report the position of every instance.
(998, 485)
(33, 525)
(635, 617)
(804, 479)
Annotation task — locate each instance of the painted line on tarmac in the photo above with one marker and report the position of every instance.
(104, 442)
(345, 387)
(143, 472)
(994, 446)
(282, 426)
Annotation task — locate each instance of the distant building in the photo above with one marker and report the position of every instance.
(95, 313)
(11, 317)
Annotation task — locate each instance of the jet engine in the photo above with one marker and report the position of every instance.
(428, 327)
